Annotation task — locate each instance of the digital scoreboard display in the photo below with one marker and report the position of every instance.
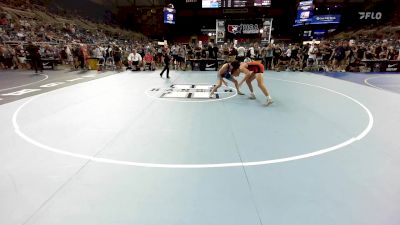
(211, 4)
(235, 3)
(262, 3)
(305, 12)
(169, 15)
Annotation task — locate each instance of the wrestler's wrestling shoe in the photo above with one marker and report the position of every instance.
(269, 102)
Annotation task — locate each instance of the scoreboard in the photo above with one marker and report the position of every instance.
(235, 3)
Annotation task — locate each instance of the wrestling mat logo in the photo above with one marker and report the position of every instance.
(191, 93)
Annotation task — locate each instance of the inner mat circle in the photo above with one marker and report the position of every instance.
(306, 120)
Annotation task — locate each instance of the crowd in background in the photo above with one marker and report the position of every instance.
(349, 55)
(65, 39)
(73, 45)
(321, 56)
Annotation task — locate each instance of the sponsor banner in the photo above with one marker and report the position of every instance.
(326, 19)
(250, 29)
(243, 29)
(205, 64)
(382, 66)
(319, 19)
(220, 31)
(48, 65)
(210, 66)
(393, 67)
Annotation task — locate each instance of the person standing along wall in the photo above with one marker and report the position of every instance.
(36, 62)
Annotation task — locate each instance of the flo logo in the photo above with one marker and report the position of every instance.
(191, 93)
(370, 15)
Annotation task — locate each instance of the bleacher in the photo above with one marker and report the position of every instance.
(37, 13)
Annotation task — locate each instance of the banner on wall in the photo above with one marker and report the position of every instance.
(326, 19)
(220, 31)
(320, 19)
(243, 28)
(382, 66)
(266, 31)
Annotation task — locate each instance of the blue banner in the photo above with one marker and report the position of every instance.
(318, 19)
(326, 19)
(303, 3)
(320, 33)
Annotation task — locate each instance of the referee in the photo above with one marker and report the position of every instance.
(167, 60)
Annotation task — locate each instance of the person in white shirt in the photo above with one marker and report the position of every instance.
(252, 52)
(134, 60)
(70, 57)
(288, 52)
(241, 54)
(99, 55)
(312, 55)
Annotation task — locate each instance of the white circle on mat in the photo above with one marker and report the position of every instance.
(367, 81)
(45, 78)
(314, 153)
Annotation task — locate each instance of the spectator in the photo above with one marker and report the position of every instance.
(232, 53)
(117, 54)
(312, 55)
(134, 60)
(241, 53)
(339, 56)
(149, 61)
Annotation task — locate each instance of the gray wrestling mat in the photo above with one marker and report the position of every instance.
(133, 148)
